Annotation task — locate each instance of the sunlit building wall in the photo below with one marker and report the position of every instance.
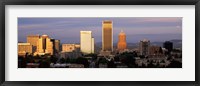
(70, 47)
(121, 41)
(92, 45)
(49, 46)
(25, 48)
(40, 46)
(33, 39)
(86, 42)
(107, 35)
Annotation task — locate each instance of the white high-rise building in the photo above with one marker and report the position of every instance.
(87, 42)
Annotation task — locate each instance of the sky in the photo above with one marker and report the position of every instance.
(67, 29)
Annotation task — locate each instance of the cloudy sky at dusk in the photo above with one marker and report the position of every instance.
(68, 29)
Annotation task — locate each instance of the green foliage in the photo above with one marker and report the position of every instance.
(83, 61)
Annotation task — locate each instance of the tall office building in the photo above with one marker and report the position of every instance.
(168, 45)
(121, 41)
(92, 45)
(87, 42)
(46, 45)
(107, 35)
(33, 39)
(42, 44)
(57, 46)
(49, 46)
(44, 37)
(144, 46)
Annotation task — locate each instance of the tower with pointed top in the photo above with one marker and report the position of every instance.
(121, 41)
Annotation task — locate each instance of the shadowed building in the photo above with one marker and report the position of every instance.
(144, 46)
(168, 45)
(107, 35)
(155, 50)
(57, 46)
(121, 41)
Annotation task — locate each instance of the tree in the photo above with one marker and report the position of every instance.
(111, 64)
(102, 60)
(21, 62)
(44, 64)
(175, 64)
(83, 61)
(128, 59)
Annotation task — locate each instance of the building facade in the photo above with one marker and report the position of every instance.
(144, 46)
(86, 42)
(45, 45)
(57, 46)
(155, 50)
(49, 46)
(121, 45)
(107, 35)
(168, 45)
(70, 47)
(33, 39)
(24, 48)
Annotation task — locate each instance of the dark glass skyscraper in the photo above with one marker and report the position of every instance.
(168, 45)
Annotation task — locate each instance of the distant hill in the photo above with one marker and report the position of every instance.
(177, 43)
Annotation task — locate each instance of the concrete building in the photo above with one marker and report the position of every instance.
(49, 46)
(45, 45)
(107, 35)
(86, 42)
(121, 41)
(33, 39)
(24, 48)
(57, 46)
(144, 46)
(40, 46)
(70, 47)
(155, 50)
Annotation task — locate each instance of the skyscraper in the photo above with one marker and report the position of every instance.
(168, 45)
(107, 35)
(45, 45)
(33, 39)
(87, 42)
(57, 46)
(42, 44)
(49, 46)
(144, 47)
(121, 41)
(44, 37)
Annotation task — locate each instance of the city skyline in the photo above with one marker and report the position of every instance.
(136, 28)
(88, 54)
